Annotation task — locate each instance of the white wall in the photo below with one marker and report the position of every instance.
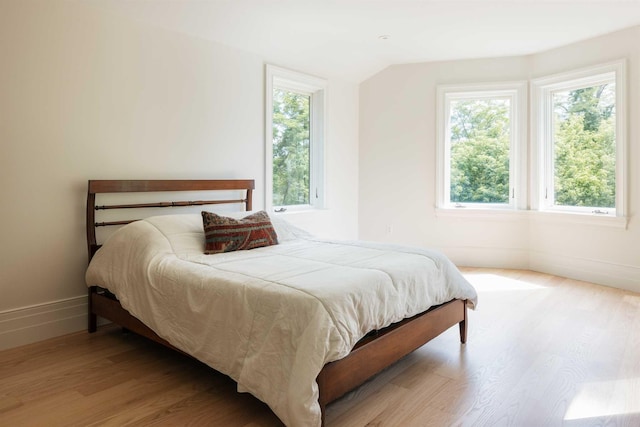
(398, 158)
(607, 256)
(87, 95)
(397, 171)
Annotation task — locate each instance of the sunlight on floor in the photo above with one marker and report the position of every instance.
(605, 398)
(494, 283)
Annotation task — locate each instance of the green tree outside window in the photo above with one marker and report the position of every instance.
(480, 140)
(585, 147)
(291, 148)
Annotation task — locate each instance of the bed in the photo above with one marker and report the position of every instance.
(297, 324)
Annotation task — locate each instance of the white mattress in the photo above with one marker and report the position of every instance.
(272, 317)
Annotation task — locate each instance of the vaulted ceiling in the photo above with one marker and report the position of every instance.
(354, 39)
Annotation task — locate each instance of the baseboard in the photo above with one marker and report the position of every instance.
(39, 322)
(590, 270)
(470, 256)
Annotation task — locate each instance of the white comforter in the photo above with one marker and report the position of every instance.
(272, 317)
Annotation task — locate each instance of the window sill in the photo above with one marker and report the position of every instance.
(573, 218)
(298, 210)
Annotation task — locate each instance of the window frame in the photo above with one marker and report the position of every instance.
(543, 141)
(517, 93)
(316, 88)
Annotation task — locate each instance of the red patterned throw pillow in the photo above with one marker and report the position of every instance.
(224, 234)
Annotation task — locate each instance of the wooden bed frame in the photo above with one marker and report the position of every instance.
(371, 355)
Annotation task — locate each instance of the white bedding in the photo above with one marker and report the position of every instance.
(272, 317)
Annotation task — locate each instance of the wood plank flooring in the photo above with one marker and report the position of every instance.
(541, 351)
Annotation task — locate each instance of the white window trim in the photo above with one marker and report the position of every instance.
(317, 89)
(517, 92)
(541, 135)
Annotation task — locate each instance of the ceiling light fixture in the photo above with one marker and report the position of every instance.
(384, 37)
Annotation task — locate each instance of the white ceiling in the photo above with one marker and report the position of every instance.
(340, 38)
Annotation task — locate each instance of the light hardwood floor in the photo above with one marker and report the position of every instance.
(542, 351)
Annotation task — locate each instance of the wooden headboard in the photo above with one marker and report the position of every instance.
(144, 186)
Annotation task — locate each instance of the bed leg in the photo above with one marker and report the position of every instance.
(463, 331)
(463, 325)
(93, 319)
(322, 411)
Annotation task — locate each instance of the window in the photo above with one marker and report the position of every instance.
(295, 110)
(580, 141)
(481, 131)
